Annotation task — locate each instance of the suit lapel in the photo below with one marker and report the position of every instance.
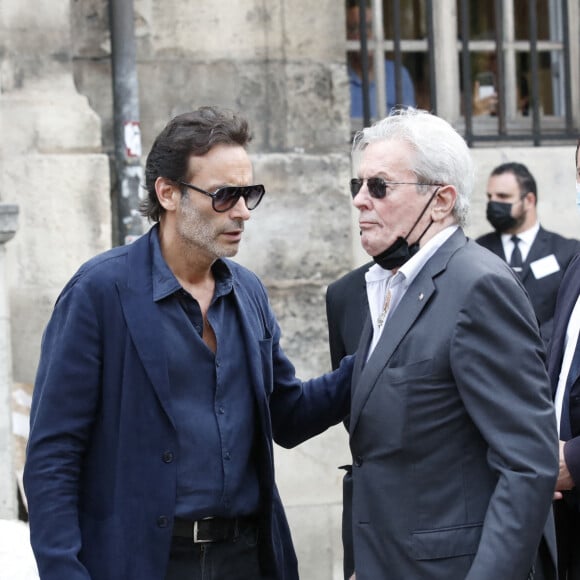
(144, 320)
(359, 313)
(397, 326)
(415, 299)
(361, 353)
(496, 246)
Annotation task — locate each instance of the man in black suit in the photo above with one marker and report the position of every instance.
(346, 311)
(564, 371)
(538, 256)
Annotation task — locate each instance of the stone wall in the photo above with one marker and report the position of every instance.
(51, 165)
(281, 63)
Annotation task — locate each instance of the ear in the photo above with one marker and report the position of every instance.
(444, 203)
(529, 200)
(167, 192)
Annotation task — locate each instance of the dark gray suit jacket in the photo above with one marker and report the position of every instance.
(542, 291)
(452, 428)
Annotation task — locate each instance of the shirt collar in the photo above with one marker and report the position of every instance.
(527, 237)
(410, 269)
(375, 274)
(164, 281)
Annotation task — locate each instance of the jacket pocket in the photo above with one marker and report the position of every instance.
(446, 542)
(408, 373)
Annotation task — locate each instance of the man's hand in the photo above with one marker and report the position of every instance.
(565, 480)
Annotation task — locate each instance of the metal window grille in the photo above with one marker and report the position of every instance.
(507, 123)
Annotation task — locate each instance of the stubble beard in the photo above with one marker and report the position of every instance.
(197, 235)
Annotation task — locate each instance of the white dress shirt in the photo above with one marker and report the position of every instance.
(526, 240)
(379, 281)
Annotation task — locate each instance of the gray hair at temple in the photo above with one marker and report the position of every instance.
(441, 154)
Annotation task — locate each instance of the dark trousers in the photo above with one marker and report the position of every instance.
(567, 519)
(544, 566)
(230, 560)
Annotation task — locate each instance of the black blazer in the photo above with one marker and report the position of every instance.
(346, 311)
(542, 292)
(567, 297)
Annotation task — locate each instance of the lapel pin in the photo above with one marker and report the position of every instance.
(421, 296)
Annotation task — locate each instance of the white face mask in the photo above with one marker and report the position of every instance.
(578, 194)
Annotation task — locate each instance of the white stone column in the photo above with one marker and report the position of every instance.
(446, 60)
(8, 502)
(51, 164)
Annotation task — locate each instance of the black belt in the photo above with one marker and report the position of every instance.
(211, 529)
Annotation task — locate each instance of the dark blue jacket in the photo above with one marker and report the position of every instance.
(100, 477)
(567, 296)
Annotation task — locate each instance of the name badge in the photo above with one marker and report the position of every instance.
(544, 267)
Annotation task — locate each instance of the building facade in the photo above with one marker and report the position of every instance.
(283, 64)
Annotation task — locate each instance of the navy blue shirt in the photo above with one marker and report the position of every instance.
(212, 399)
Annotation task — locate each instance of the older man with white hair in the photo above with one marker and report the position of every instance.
(452, 428)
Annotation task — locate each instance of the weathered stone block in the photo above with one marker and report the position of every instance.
(64, 220)
(30, 308)
(65, 215)
(302, 229)
(48, 123)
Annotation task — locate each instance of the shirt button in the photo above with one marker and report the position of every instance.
(227, 455)
(162, 521)
(167, 456)
(221, 410)
(358, 461)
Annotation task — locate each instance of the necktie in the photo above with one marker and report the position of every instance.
(565, 427)
(385, 311)
(516, 260)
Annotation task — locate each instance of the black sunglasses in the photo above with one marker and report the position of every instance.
(225, 198)
(378, 187)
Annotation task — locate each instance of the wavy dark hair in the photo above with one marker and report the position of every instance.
(193, 133)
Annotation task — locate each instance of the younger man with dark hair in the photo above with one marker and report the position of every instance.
(162, 385)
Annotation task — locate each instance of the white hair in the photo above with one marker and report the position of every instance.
(441, 154)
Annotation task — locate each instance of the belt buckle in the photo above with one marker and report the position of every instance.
(196, 540)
